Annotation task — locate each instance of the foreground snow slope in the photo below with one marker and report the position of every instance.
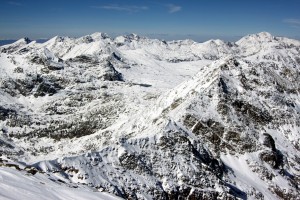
(17, 185)
(150, 119)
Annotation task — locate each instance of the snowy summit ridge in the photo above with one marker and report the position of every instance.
(144, 118)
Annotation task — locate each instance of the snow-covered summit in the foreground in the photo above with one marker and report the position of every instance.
(150, 119)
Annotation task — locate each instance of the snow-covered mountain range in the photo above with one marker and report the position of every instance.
(144, 118)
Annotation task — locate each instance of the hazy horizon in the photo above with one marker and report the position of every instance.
(167, 37)
(151, 36)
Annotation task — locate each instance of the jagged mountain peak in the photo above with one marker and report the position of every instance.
(57, 40)
(99, 35)
(25, 40)
(219, 46)
(128, 38)
(230, 78)
(17, 45)
(254, 39)
(133, 36)
(183, 42)
(95, 37)
(264, 35)
(236, 108)
(215, 41)
(20, 42)
(206, 77)
(132, 41)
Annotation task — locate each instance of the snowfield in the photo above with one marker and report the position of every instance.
(143, 118)
(17, 185)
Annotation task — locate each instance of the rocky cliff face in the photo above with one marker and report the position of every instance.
(131, 116)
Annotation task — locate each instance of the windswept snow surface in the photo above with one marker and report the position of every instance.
(16, 185)
(150, 119)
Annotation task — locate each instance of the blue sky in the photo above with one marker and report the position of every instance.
(178, 19)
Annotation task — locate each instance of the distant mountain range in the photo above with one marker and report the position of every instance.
(146, 118)
(5, 42)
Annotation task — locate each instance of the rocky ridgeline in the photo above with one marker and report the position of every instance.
(236, 118)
